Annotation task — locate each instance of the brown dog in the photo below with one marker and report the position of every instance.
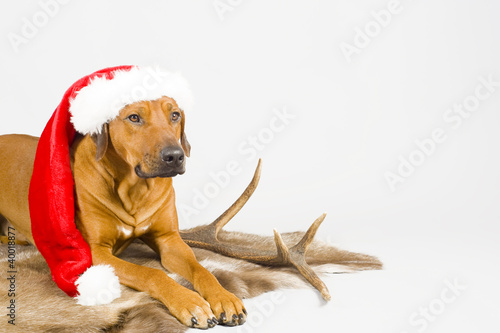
(124, 191)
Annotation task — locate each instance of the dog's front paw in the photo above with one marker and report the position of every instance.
(228, 309)
(192, 310)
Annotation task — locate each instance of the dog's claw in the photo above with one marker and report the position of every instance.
(210, 323)
(245, 311)
(222, 317)
(232, 322)
(241, 320)
(194, 321)
(215, 321)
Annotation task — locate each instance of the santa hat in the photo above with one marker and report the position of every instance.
(86, 106)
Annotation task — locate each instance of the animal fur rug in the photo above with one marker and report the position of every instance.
(42, 307)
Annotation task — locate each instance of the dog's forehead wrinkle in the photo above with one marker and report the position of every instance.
(167, 105)
(141, 110)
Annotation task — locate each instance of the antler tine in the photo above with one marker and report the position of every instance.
(283, 252)
(225, 217)
(313, 279)
(304, 243)
(296, 256)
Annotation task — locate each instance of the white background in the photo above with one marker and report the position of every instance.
(353, 121)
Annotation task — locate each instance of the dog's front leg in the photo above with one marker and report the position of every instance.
(178, 257)
(186, 305)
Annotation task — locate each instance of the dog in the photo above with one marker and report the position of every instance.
(123, 191)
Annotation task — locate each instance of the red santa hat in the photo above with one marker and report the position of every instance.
(86, 106)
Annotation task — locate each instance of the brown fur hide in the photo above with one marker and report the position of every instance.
(42, 307)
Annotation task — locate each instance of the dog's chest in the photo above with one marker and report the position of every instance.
(142, 198)
(133, 197)
(139, 203)
(128, 232)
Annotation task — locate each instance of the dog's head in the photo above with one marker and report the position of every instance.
(149, 136)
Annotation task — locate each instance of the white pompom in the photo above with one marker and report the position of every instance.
(98, 285)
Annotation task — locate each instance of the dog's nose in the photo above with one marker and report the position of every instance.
(172, 156)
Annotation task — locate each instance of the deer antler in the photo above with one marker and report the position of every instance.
(205, 237)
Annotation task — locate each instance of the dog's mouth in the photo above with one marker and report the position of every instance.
(160, 173)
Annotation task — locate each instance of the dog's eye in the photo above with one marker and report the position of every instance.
(175, 116)
(134, 118)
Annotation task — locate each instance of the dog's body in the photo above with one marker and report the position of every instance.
(124, 191)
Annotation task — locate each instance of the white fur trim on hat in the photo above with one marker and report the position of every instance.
(101, 100)
(98, 285)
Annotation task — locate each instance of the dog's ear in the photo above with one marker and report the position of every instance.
(184, 141)
(101, 141)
